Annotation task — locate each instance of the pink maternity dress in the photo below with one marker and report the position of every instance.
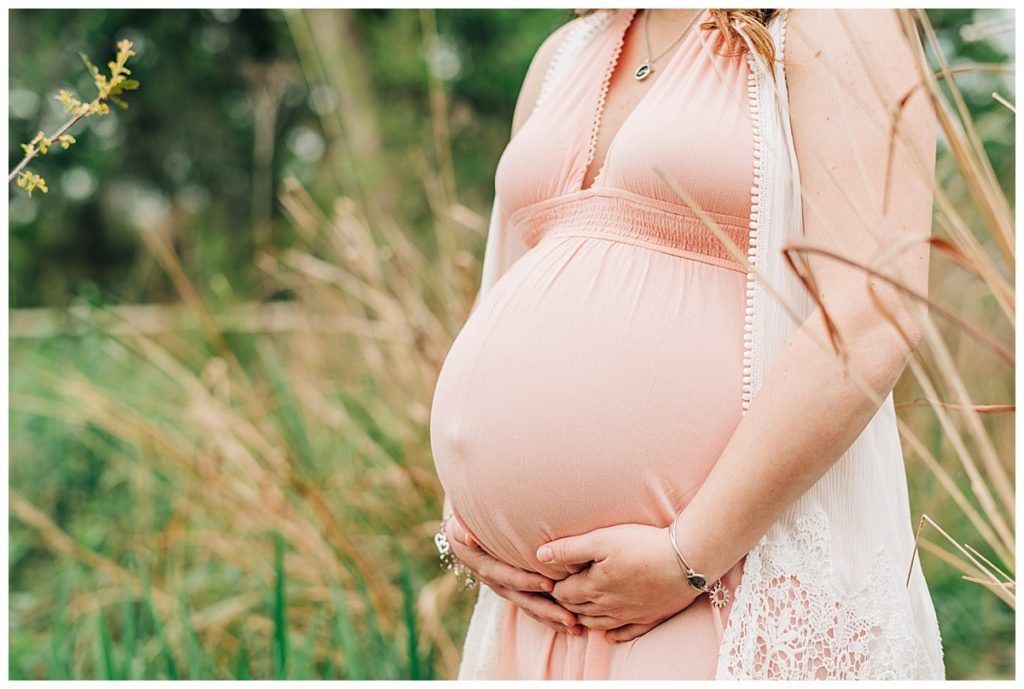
(597, 381)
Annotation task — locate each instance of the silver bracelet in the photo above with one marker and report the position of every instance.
(463, 574)
(718, 593)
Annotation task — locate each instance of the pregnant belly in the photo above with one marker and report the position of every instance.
(596, 383)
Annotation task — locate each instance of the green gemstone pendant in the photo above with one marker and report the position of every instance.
(642, 71)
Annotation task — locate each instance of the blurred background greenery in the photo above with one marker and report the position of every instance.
(228, 314)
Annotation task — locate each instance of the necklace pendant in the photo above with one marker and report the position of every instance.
(642, 71)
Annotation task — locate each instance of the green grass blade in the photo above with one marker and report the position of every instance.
(60, 653)
(387, 664)
(128, 634)
(106, 649)
(158, 629)
(347, 636)
(280, 611)
(329, 671)
(292, 424)
(193, 644)
(243, 670)
(305, 661)
(431, 663)
(409, 610)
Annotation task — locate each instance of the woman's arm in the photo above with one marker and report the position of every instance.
(807, 413)
(847, 72)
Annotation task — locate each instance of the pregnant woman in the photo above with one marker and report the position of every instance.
(604, 479)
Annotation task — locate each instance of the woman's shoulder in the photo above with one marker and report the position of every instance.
(533, 82)
(853, 58)
(844, 37)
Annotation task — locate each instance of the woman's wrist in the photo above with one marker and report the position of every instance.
(449, 560)
(703, 555)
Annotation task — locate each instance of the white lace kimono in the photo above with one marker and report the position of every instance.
(823, 592)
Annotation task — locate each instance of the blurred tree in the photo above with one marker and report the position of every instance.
(233, 100)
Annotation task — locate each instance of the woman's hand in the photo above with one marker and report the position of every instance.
(633, 585)
(527, 590)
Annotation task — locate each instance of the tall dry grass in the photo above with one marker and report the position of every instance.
(970, 355)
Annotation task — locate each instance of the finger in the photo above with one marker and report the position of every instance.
(554, 625)
(585, 608)
(467, 537)
(598, 621)
(542, 607)
(576, 588)
(508, 594)
(457, 532)
(628, 632)
(502, 573)
(505, 593)
(573, 549)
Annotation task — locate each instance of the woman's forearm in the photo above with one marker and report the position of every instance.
(806, 414)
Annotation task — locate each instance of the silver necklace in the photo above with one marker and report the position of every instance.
(643, 70)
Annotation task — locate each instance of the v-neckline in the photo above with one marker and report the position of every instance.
(598, 118)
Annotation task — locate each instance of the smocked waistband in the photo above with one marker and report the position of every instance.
(624, 216)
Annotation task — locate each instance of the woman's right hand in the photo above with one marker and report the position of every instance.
(527, 590)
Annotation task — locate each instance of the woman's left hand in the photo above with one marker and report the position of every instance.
(633, 584)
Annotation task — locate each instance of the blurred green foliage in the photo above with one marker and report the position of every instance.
(182, 157)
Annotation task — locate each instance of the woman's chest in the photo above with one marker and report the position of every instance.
(694, 126)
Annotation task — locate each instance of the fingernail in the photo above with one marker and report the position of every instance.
(545, 554)
(547, 586)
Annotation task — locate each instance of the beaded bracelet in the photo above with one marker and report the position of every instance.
(449, 561)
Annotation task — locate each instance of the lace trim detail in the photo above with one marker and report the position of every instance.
(756, 194)
(554, 69)
(579, 36)
(595, 128)
(782, 38)
(800, 626)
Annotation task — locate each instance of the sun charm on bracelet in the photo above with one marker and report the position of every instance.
(718, 595)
